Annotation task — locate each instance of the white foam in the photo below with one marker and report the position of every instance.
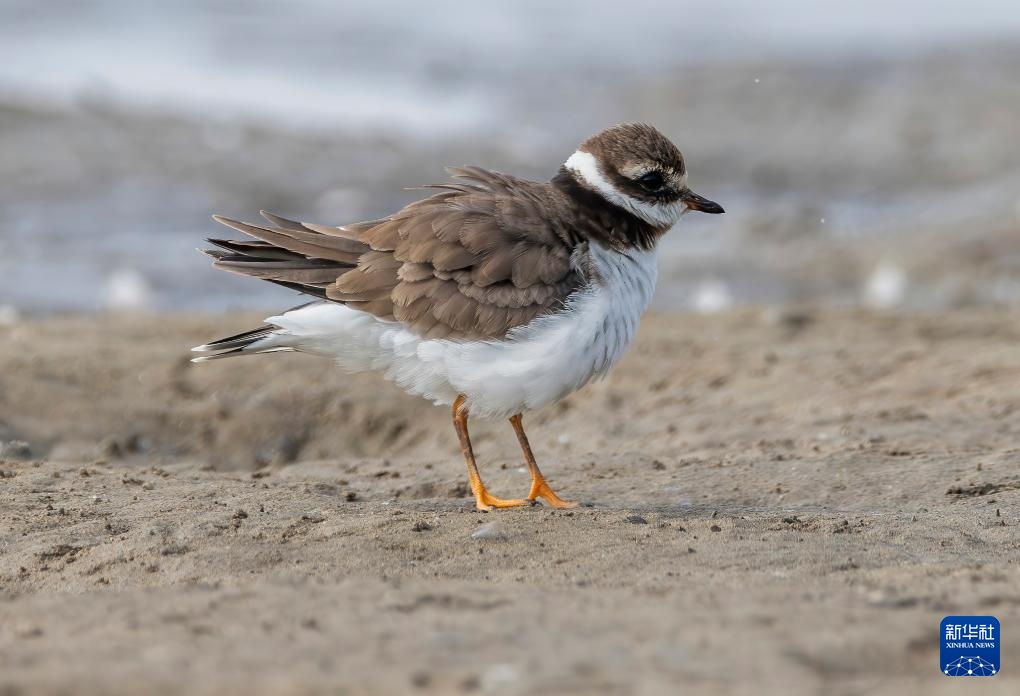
(127, 290)
(886, 287)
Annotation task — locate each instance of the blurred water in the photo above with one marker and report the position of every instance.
(842, 140)
(439, 66)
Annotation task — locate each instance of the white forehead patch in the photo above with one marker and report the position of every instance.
(585, 166)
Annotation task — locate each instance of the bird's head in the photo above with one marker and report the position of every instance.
(637, 168)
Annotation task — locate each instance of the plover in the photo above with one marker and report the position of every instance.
(494, 295)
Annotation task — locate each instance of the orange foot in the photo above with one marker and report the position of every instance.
(541, 489)
(485, 501)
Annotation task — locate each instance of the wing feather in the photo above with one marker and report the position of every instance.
(486, 253)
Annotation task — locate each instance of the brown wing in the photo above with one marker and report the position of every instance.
(485, 254)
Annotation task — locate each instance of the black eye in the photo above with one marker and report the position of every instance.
(652, 181)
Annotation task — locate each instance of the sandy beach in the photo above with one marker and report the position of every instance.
(777, 502)
(808, 458)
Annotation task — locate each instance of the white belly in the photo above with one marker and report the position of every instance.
(533, 366)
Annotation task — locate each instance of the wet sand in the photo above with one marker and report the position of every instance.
(781, 502)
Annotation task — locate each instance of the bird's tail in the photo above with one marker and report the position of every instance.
(264, 339)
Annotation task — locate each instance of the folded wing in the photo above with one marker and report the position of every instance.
(474, 260)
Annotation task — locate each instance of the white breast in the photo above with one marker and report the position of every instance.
(533, 366)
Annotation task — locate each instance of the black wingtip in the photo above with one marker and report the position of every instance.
(305, 289)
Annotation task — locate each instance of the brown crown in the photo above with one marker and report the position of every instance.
(631, 144)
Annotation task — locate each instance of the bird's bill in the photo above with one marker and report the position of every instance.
(700, 203)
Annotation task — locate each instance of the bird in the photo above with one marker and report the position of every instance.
(493, 295)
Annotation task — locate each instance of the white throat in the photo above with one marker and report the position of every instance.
(586, 168)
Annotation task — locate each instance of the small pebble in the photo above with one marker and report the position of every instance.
(500, 677)
(28, 632)
(490, 530)
(636, 519)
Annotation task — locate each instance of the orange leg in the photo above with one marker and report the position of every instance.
(539, 487)
(483, 499)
